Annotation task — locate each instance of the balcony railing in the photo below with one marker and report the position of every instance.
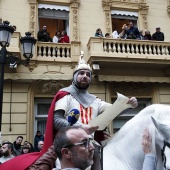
(66, 52)
(143, 49)
(136, 47)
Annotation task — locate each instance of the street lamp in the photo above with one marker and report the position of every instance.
(27, 43)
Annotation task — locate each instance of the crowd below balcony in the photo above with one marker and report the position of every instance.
(10, 150)
(129, 31)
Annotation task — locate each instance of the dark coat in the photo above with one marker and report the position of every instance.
(158, 36)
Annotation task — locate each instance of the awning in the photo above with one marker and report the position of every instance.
(24, 76)
(111, 78)
(56, 7)
(125, 13)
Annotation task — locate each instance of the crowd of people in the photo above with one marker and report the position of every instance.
(129, 31)
(60, 37)
(10, 150)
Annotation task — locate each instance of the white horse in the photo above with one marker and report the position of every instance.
(124, 151)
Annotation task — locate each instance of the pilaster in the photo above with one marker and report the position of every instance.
(107, 10)
(74, 20)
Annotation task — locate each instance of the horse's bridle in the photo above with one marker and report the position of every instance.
(163, 154)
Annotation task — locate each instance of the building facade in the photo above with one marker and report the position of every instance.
(138, 68)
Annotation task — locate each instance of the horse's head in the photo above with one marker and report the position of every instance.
(164, 130)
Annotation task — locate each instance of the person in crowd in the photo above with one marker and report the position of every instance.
(25, 149)
(115, 35)
(107, 35)
(141, 36)
(74, 148)
(76, 96)
(15, 28)
(99, 33)
(64, 37)
(43, 35)
(150, 159)
(17, 146)
(56, 37)
(38, 137)
(6, 152)
(40, 145)
(123, 34)
(133, 30)
(147, 35)
(32, 149)
(158, 35)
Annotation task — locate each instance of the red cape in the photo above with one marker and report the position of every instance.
(22, 162)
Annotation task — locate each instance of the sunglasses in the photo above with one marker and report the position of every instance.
(85, 143)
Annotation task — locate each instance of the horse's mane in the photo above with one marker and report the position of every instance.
(130, 136)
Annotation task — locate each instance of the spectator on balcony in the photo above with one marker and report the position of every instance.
(115, 35)
(123, 34)
(147, 35)
(158, 35)
(107, 35)
(99, 33)
(64, 37)
(56, 37)
(15, 28)
(141, 36)
(133, 31)
(43, 35)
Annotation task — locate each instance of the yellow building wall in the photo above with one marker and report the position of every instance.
(17, 13)
(164, 92)
(17, 104)
(158, 17)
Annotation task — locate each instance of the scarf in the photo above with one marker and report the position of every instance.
(82, 96)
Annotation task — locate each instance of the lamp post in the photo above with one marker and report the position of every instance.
(27, 43)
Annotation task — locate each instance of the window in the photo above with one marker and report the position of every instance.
(122, 119)
(41, 108)
(55, 17)
(119, 18)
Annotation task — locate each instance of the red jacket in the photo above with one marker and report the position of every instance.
(64, 39)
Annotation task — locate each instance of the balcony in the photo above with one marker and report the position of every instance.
(48, 51)
(58, 52)
(130, 60)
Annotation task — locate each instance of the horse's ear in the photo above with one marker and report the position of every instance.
(164, 129)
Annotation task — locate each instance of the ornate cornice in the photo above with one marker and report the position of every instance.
(107, 4)
(32, 1)
(32, 65)
(74, 3)
(133, 89)
(51, 87)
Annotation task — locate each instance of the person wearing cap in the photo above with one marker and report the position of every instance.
(158, 35)
(43, 35)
